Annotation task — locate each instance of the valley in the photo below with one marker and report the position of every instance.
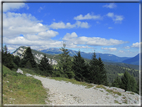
(113, 69)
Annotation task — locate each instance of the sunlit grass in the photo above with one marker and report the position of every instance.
(72, 81)
(20, 89)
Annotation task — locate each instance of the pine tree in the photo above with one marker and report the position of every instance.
(65, 64)
(79, 67)
(94, 70)
(45, 67)
(7, 59)
(16, 60)
(28, 56)
(102, 73)
(133, 84)
(126, 81)
(116, 82)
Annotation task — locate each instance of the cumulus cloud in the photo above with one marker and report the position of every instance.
(92, 41)
(62, 25)
(69, 36)
(23, 41)
(111, 5)
(115, 18)
(33, 31)
(136, 45)
(12, 6)
(110, 49)
(48, 33)
(88, 16)
(15, 24)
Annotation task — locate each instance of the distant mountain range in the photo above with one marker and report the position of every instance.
(104, 57)
(133, 60)
(52, 53)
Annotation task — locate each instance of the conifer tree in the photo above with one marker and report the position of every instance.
(28, 56)
(133, 84)
(79, 67)
(102, 73)
(65, 64)
(126, 81)
(45, 67)
(116, 82)
(7, 59)
(16, 60)
(94, 70)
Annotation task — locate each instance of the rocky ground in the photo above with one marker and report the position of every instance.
(63, 93)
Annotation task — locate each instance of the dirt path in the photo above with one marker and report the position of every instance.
(62, 92)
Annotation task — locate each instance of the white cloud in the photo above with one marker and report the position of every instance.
(136, 45)
(110, 49)
(15, 24)
(88, 16)
(33, 31)
(49, 33)
(110, 14)
(69, 36)
(61, 25)
(115, 18)
(93, 41)
(12, 6)
(111, 5)
(41, 43)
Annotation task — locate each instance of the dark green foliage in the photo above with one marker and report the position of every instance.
(97, 71)
(133, 84)
(102, 73)
(94, 69)
(7, 59)
(45, 67)
(116, 82)
(65, 64)
(16, 60)
(114, 70)
(79, 67)
(126, 82)
(28, 56)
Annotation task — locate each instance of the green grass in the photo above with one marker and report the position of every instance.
(120, 74)
(20, 89)
(108, 90)
(100, 86)
(73, 81)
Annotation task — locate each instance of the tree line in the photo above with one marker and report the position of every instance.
(76, 67)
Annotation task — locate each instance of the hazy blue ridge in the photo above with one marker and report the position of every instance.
(133, 60)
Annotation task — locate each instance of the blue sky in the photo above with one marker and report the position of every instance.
(104, 27)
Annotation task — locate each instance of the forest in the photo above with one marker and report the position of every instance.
(92, 71)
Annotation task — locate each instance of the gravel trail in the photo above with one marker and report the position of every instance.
(65, 93)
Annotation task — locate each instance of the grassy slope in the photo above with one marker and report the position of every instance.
(20, 89)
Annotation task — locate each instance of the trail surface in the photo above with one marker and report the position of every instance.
(62, 92)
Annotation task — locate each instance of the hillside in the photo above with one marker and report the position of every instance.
(37, 55)
(113, 68)
(61, 91)
(20, 89)
(134, 60)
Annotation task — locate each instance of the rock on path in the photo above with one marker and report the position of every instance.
(62, 92)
